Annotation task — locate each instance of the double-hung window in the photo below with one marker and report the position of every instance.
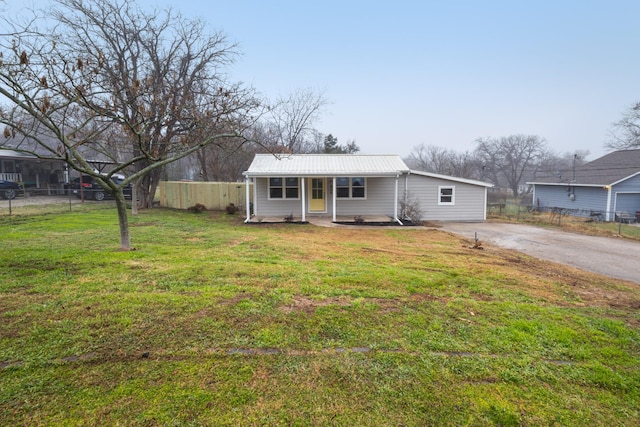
(446, 195)
(351, 188)
(284, 188)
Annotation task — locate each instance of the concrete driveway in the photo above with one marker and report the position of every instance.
(613, 257)
(38, 200)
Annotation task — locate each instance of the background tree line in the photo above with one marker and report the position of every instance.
(507, 162)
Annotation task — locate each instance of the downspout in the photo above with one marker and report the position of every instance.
(484, 214)
(608, 212)
(304, 218)
(406, 187)
(334, 200)
(247, 199)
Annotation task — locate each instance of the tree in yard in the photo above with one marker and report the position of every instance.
(507, 159)
(110, 81)
(625, 133)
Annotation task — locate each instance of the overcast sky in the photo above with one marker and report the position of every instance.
(444, 73)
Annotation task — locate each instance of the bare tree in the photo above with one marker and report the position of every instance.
(141, 90)
(224, 163)
(431, 158)
(625, 133)
(291, 120)
(559, 166)
(506, 159)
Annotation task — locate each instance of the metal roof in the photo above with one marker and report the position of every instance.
(452, 178)
(267, 165)
(606, 170)
(15, 154)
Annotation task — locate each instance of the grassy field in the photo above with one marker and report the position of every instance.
(212, 322)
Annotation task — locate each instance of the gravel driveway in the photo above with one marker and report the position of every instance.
(611, 257)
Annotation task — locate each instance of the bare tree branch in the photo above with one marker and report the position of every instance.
(111, 82)
(625, 133)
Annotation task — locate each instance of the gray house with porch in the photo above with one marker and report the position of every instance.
(31, 172)
(350, 185)
(607, 187)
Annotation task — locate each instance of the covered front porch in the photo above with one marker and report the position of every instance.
(339, 199)
(34, 175)
(326, 221)
(297, 187)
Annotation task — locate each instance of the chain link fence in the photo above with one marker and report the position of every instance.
(625, 224)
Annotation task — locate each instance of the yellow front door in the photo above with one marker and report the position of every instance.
(317, 195)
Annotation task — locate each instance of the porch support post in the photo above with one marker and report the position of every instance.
(302, 180)
(395, 201)
(247, 198)
(333, 198)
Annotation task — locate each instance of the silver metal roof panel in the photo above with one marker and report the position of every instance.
(265, 165)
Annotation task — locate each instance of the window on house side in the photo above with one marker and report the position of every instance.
(446, 195)
(284, 188)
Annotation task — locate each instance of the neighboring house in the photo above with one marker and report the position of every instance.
(353, 185)
(604, 186)
(39, 175)
(31, 172)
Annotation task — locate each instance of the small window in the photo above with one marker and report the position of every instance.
(351, 188)
(284, 188)
(291, 188)
(357, 188)
(342, 188)
(446, 195)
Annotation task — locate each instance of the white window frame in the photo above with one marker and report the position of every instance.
(283, 187)
(453, 195)
(351, 178)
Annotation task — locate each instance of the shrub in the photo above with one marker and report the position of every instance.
(197, 208)
(410, 209)
(231, 209)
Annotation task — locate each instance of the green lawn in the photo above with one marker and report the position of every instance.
(213, 322)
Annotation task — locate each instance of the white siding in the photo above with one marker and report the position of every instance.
(470, 200)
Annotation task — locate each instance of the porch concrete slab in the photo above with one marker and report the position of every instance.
(326, 221)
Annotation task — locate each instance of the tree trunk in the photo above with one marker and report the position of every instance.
(149, 187)
(123, 221)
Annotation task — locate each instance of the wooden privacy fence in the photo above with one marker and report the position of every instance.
(213, 195)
